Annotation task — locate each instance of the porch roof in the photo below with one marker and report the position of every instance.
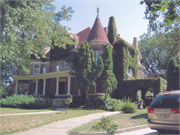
(44, 75)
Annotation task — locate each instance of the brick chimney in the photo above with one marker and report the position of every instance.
(135, 42)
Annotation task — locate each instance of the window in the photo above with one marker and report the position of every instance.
(66, 64)
(61, 64)
(36, 68)
(98, 54)
(131, 71)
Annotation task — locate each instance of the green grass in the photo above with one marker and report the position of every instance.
(4, 110)
(122, 120)
(12, 124)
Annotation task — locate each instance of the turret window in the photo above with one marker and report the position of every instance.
(98, 54)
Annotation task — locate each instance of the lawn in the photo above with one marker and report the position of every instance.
(12, 124)
(4, 110)
(122, 120)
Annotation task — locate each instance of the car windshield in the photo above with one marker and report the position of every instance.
(166, 101)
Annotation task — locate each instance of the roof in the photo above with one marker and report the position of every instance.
(97, 33)
(83, 35)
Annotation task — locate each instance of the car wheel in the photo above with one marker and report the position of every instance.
(162, 131)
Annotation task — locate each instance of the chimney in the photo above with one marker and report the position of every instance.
(135, 42)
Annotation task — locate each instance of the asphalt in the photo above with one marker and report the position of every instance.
(62, 127)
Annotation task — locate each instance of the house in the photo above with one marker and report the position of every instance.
(55, 78)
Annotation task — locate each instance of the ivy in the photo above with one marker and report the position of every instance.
(125, 58)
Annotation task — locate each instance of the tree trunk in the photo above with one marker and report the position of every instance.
(85, 101)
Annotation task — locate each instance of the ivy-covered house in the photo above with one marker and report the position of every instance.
(54, 77)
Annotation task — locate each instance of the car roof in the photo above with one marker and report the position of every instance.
(172, 92)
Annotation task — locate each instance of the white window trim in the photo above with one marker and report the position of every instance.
(34, 68)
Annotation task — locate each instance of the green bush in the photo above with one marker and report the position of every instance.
(106, 124)
(106, 104)
(128, 107)
(25, 101)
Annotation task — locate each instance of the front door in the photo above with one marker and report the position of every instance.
(62, 88)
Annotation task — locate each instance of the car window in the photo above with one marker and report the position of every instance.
(166, 101)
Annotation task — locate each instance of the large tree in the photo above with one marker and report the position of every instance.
(27, 27)
(158, 48)
(162, 13)
(112, 30)
(108, 81)
(86, 71)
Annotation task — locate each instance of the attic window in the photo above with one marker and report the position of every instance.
(36, 69)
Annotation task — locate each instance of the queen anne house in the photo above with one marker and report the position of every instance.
(55, 78)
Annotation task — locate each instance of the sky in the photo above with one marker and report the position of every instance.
(128, 16)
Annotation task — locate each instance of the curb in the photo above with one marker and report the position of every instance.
(116, 132)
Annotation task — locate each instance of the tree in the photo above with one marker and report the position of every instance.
(27, 27)
(162, 13)
(86, 70)
(157, 49)
(172, 75)
(108, 80)
(112, 30)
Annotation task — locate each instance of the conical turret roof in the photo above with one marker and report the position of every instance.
(97, 33)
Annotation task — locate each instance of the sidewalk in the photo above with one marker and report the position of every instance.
(62, 127)
(54, 111)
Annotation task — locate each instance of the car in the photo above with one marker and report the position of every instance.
(164, 112)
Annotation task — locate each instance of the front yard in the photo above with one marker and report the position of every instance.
(123, 120)
(12, 124)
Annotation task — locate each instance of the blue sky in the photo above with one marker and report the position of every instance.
(128, 15)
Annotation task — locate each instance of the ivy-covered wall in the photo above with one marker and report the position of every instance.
(126, 57)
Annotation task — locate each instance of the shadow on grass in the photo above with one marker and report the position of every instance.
(144, 116)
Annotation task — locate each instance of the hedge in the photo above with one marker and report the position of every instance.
(26, 102)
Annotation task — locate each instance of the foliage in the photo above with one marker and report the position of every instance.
(109, 103)
(27, 27)
(128, 107)
(162, 13)
(68, 102)
(25, 101)
(106, 124)
(112, 30)
(86, 70)
(108, 80)
(172, 75)
(157, 49)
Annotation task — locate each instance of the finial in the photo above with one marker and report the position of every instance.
(98, 12)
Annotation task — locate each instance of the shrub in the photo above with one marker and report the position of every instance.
(128, 107)
(108, 104)
(25, 101)
(106, 124)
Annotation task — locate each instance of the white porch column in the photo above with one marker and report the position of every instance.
(44, 86)
(57, 86)
(17, 85)
(69, 82)
(36, 90)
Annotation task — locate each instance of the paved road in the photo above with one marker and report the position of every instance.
(145, 131)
